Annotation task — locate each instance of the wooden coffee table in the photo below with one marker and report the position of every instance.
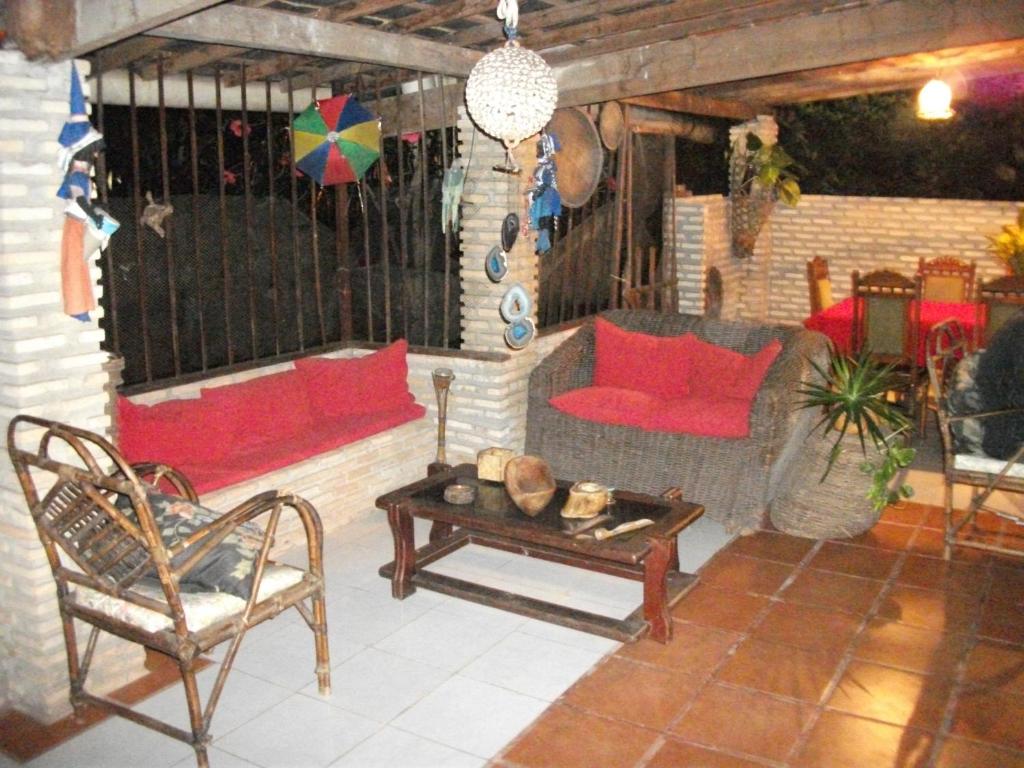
(492, 520)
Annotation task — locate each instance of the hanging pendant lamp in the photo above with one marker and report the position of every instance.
(933, 101)
(511, 92)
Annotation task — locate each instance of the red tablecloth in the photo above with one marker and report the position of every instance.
(836, 322)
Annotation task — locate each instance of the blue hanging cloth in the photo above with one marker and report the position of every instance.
(545, 201)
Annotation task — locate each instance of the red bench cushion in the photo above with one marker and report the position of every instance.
(357, 386)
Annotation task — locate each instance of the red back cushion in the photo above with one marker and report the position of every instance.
(359, 386)
(260, 410)
(752, 370)
(175, 432)
(731, 373)
(641, 362)
(608, 405)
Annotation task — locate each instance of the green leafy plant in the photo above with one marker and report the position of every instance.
(852, 395)
(1008, 245)
(771, 167)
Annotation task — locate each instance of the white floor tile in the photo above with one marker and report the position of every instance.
(218, 759)
(116, 743)
(365, 617)
(242, 698)
(442, 639)
(568, 636)
(699, 542)
(300, 732)
(392, 748)
(287, 658)
(380, 685)
(496, 714)
(532, 666)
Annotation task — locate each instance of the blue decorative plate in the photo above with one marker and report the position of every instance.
(520, 333)
(496, 264)
(515, 304)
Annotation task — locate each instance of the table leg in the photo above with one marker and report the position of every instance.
(656, 566)
(440, 530)
(405, 552)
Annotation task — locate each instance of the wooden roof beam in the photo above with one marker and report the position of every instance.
(899, 27)
(289, 33)
(693, 104)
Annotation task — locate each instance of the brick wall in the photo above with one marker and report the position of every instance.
(51, 366)
(851, 232)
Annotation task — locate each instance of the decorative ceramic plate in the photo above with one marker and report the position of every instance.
(496, 264)
(515, 304)
(509, 231)
(520, 333)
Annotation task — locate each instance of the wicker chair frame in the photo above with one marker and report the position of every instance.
(91, 542)
(817, 271)
(941, 274)
(947, 345)
(998, 300)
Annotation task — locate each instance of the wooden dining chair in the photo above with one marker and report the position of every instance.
(886, 322)
(998, 300)
(946, 279)
(819, 285)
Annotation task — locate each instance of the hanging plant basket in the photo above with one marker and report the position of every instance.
(748, 214)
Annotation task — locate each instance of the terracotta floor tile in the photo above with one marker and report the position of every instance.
(807, 626)
(720, 608)
(768, 545)
(1007, 585)
(892, 695)
(883, 536)
(934, 517)
(675, 754)
(1002, 621)
(745, 574)
(770, 726)
(929, 608)
(990, 715)
(907, 513)
(638, 693)
(912, 648)
(936, 573)
(564, 737)
(832, 590)
(780, 669)
(961, 753)
(930, 541)
(867, 562)
(996, 665)
(693, 649)
(844, 741)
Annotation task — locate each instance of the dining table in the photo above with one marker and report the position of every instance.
(836, 322)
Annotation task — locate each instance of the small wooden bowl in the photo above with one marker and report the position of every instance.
(529, 482)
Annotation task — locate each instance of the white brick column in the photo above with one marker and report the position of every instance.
(50, 365)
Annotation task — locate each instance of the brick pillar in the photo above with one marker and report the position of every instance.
(53, 367)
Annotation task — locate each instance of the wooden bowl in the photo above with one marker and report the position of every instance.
(529, 482)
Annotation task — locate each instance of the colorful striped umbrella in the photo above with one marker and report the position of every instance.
(336, 140)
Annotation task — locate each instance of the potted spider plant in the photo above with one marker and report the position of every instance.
(858, 451)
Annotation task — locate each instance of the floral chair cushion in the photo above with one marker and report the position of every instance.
(964, 398)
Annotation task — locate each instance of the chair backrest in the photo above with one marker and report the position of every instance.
(713, 291)
(886, 315)
(946, 279)
(819, 285)
(945, 345)
(998, 301)
(91, 508)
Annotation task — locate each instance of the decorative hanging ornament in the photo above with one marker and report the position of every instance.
(511, 92)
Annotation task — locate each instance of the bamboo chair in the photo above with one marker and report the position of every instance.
(887, 321)
(998, 300)
(95, 519)
(819, 285)
(946, 279)
(947, 345)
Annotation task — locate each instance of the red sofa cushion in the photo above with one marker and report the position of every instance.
(641, 362)
(173, 432)
(608, 405)
(357, 386)
(732, 373)
(707, 416)
(259, 411)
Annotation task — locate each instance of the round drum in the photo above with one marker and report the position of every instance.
(580, 157)
(613, 125)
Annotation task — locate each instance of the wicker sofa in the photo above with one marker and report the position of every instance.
(734, 478)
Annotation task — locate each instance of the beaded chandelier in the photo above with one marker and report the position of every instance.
(511, 92)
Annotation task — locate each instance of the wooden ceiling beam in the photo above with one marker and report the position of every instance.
(101, 22)
(694, 104)
(172, 64)
(439, 16)
(577, 13)
(354, 10)
(898, 27)
(266, 68)
(288, 33)
(124, 53)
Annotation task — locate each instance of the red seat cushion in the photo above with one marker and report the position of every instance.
(254, 411)
(357, 386)
(708, 416)
(641, 362)
(608, 405)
